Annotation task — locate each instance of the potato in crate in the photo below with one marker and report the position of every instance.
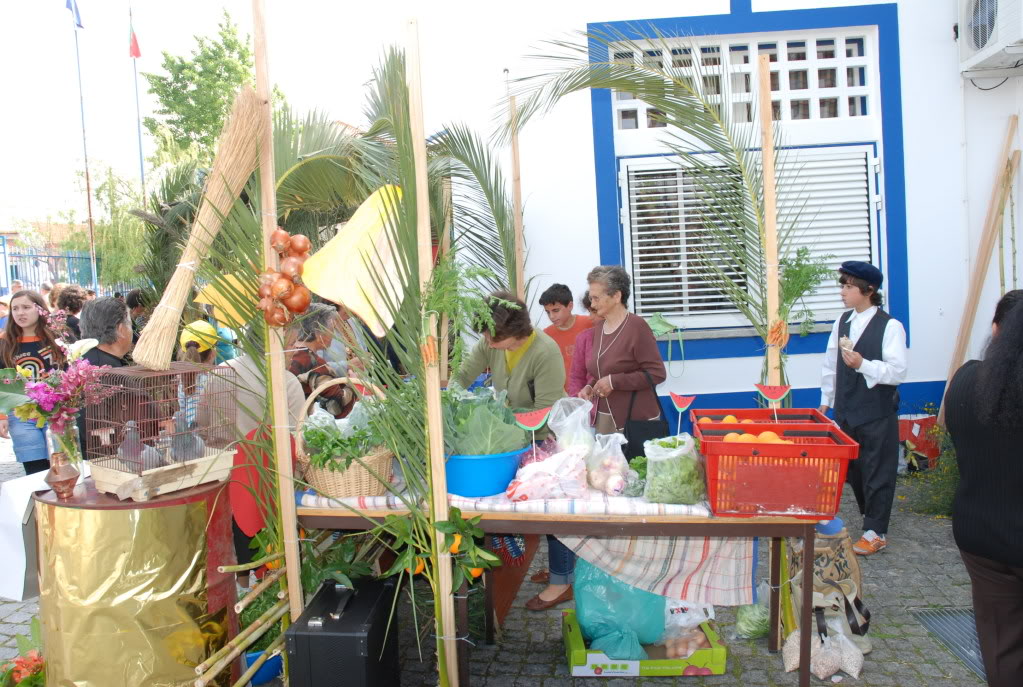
(161, 431)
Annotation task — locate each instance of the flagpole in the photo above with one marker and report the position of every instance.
(138, 111)
(85, 153)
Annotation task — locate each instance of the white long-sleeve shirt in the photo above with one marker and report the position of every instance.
(891, 369)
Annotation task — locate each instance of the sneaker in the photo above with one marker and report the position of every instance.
(870, 543)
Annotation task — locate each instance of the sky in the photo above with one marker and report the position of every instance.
(320, 55)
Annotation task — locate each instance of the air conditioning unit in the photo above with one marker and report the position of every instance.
(990, 34)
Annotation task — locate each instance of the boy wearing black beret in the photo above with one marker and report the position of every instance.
(863, 366)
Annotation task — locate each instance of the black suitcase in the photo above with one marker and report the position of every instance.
(339, 641)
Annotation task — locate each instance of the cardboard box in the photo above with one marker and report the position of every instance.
(583, 662)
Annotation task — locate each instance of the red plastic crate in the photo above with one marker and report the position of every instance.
(763, 415)
(802, 480)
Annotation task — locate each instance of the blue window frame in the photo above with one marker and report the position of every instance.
(742, 20)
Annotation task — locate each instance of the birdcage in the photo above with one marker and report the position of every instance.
(161, 431)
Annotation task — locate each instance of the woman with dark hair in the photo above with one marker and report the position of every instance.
(984, 416)
(28, 343)
(624, 359)
(526, 363)
(71, 300)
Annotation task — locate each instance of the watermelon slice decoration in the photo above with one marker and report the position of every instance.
(532, 420)
(682, 403)
(773, 394)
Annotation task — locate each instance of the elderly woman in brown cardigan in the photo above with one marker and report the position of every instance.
(624, 357)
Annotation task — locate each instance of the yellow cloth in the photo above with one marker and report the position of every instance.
(202, 333)
(512, 358)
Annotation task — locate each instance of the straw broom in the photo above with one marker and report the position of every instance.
(236, 159)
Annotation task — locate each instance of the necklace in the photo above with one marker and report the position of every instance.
(601, 349)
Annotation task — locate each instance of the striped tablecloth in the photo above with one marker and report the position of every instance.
(709, 570)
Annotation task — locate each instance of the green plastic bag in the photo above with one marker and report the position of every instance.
(660, 326)
(615, 617)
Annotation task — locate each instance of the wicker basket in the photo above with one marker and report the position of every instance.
(356, 480)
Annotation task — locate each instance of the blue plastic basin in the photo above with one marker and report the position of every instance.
(482, 475)
(268, 671)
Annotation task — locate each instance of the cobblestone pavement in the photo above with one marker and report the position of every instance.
(920, 568)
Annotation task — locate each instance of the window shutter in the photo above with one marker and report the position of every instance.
(824, 199)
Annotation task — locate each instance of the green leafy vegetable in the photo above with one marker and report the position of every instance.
(639, 465)
(479, 424)
(328, 447)
(675, 478)
(752, 621)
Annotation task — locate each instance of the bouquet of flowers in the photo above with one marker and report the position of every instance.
(57, 397)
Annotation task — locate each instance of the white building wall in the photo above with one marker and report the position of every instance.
(952, 134)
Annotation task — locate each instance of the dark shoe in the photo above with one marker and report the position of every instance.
(542, 577)
(538, 604)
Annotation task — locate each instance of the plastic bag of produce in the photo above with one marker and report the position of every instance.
(675, 472)
(753, 621)
(682, 633)
(616, 618)
(634, 484)
(570, 422)
(607, 465)
(560, 476)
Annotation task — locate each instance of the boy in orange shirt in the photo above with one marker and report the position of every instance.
(565, 326)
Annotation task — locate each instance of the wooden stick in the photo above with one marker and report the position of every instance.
(251, 565)
(445, 248)
(274, 648)
(435, 422)
(520, 283)
(243, 641)
(256, 591)
(275, 362)
(982, 258)
(269, 617)
(770, 234)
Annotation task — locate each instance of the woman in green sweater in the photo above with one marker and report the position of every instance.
(527, 364)
(523, 361)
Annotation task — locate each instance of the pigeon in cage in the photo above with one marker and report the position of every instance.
(136, 455)
(185, 444)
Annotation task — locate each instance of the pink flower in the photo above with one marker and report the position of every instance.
(44, 395)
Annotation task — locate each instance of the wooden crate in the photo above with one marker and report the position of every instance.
(214, 467)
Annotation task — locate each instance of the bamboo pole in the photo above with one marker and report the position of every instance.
(274, 648)
(256, 591)
(243, 641)
(520, 283)
(447, 648)
(269, 617)
(445, 248)
(770, 220)
(983, 256)
(251, 565)
(275, 360)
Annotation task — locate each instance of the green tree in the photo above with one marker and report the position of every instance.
(196, 93)
(119, 234)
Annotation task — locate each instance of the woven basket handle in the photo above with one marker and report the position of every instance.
(307, 406)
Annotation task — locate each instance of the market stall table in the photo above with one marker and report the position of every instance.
(627, 526)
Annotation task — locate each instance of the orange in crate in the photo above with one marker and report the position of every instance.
(798, 474)
(747, 416)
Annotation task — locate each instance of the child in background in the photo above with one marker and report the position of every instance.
(565, 326)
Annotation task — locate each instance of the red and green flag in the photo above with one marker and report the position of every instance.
(133, 48)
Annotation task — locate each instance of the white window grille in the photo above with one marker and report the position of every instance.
(826, 202)
(814, 75)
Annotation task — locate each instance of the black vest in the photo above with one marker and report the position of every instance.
(855, 404)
